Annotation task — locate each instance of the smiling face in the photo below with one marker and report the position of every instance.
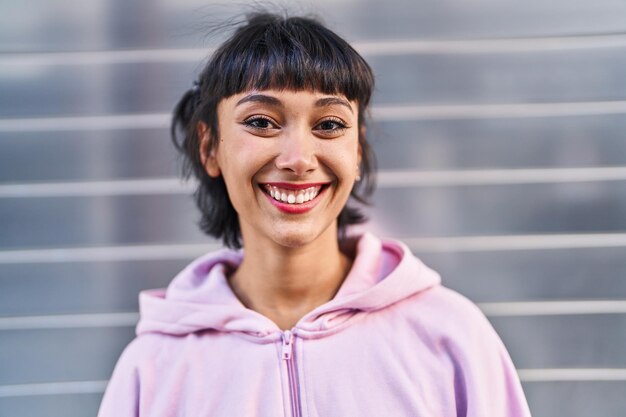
(289, 160)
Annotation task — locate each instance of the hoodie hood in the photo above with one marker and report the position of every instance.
(199, 298)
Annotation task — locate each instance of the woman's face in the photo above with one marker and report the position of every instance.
(289, 160)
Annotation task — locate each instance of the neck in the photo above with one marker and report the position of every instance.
(285, 283)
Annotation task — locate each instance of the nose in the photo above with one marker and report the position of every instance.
(297, 153)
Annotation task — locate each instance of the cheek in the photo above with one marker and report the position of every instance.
(346, 158)
(241, 160)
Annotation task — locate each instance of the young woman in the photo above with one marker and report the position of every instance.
(306, 320)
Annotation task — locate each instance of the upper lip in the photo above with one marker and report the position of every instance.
(294, 186)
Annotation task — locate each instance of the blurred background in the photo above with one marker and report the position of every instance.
(500, 132)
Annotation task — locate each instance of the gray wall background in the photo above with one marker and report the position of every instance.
(499, 128)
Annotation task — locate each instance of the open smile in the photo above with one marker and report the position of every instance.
(294, 198)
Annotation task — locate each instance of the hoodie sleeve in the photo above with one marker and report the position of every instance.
(485, 380)
(487, 384)
(121, 398)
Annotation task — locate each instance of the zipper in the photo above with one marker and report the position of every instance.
(289, 357)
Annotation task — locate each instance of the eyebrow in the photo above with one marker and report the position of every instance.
(329, 101)
(273, 101)
(261, 98)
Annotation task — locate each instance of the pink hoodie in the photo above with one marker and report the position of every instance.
(393, 342)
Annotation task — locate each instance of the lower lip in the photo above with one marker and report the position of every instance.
(296, 208)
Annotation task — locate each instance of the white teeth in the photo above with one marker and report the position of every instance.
(293, 196)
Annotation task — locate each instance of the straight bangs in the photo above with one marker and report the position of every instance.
(292, 55)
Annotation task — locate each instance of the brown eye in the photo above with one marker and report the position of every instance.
(260, 123)
(331, 127)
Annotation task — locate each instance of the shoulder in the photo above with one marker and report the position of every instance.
(478, 359)
(142, 350)
(451, 303)
(449, 316)
(453, 326)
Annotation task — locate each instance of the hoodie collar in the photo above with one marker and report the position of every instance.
(200, 298)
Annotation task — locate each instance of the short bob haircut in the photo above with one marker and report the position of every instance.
(269, 52)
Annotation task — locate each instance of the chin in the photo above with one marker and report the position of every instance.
(299, 235)
(294, 240)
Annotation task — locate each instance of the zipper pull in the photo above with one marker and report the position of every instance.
(287, 344)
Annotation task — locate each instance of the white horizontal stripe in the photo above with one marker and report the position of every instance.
(97, 188)
(515, 242)
(185, 251)
(495, 111)
(526, 375)
(392, 179)
(68, 321)
(53, 388)
(380, 113)
(80, 123)
(553, 308)
(572, 374)
(106, 57)
(107, 254)
(480, 46)
(367, 48)
(385, 179)
(496, 309)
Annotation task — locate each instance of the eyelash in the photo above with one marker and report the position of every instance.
(340, 125)
(249, 122)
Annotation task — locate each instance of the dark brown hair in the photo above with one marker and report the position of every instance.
(269, 52)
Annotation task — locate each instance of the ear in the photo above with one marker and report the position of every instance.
(208, 153)
(360, 150)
